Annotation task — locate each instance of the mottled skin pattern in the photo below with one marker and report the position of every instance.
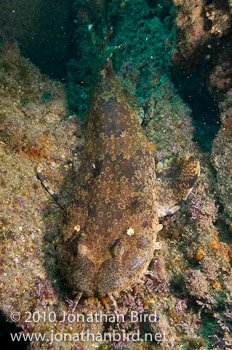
(109, 228)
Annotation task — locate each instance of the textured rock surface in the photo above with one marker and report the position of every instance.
(199, 25)
(222, 156)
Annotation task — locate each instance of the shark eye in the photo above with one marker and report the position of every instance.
(75, 249)
(77, 246)
(117, 249)
(121, 250)
(142, 243)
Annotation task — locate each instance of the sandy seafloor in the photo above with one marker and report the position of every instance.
(189, 287)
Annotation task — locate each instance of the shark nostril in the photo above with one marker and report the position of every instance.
(82, 249)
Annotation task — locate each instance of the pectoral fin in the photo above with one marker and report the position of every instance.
(58, 180)
(175, 184)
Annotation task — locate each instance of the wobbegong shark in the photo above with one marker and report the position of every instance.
(111, 207)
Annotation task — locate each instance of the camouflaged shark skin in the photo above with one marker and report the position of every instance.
(110, 226)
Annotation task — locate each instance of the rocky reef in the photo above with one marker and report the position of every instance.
(189, 284)
(200, 26)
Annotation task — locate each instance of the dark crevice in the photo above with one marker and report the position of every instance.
(6, 329)
(205, 111)
(43, 31)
